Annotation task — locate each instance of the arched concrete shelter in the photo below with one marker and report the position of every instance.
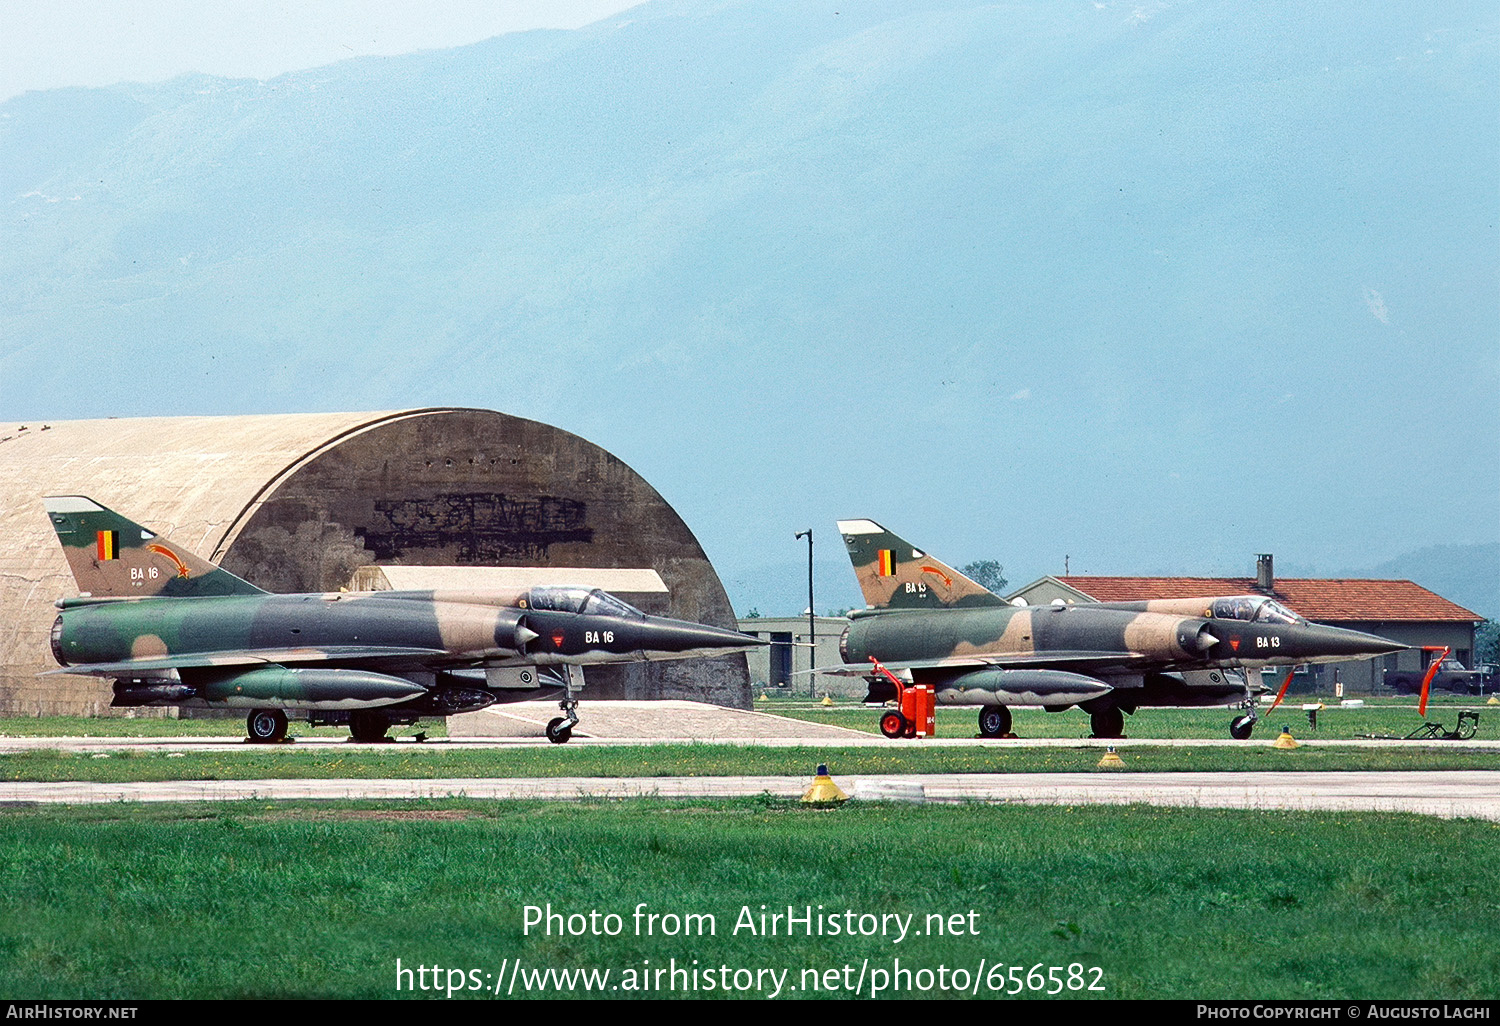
(297, 502)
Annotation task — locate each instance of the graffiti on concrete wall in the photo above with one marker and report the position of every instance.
(483, 528)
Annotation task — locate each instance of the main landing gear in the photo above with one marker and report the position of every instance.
(560, 729)
(266, 726)
(994, 721)
(1109, 722)
(368, 727)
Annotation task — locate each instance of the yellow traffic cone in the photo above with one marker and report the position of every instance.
(823, 791)
(828, 700)
(1285, 742)
(1493, 701)
(1111, 759)
(763, 697)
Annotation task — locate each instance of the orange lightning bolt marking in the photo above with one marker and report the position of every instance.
(162, 550)
(934, 570)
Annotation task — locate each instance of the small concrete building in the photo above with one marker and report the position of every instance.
(301, 502)
(1399, 610)
(790, 652)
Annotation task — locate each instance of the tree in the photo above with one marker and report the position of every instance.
(985, 572)
(1487, 642)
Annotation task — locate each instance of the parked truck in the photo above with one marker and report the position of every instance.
(1451, 675)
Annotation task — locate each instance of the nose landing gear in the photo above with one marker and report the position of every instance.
(1241, 726)
(560, 729)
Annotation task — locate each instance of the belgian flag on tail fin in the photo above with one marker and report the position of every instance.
(112, 556)
(912, 580)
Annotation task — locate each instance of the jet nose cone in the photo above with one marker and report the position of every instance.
(679, 637)
(1337, 643)
(1374, 644)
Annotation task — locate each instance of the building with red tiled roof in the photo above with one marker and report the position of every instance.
(1400, 610)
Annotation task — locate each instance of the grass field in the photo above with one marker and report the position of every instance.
(258, 899)
(255, 762)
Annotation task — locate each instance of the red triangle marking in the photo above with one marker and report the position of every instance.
(1234, 643)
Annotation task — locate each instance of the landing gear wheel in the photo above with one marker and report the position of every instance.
(1108, 723)
(893, 724)
(994, 721)
(266, 726)
(1240, 727)
(559, 731)
(368, 727)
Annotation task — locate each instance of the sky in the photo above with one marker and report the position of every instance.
(1289, 186)
(89, 43)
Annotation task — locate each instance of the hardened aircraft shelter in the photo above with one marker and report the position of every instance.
(300, 502)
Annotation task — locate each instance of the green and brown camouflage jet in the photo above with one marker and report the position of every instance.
(929, 624)
(171, 629)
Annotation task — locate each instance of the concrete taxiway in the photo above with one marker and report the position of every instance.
(1449, 794)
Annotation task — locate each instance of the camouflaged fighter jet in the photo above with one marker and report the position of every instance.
(927, 623)
(172, 629)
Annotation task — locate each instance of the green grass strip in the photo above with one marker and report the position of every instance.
(264, 899)
(440, 760)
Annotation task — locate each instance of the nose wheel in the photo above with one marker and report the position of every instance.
(1241, 726)
(560, 729)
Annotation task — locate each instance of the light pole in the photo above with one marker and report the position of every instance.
(812, 636)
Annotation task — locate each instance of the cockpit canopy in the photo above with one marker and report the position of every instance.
(565, 599)
(1254, 609)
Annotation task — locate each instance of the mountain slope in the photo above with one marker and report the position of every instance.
(1046, 278)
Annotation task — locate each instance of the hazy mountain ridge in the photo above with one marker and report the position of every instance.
(1466, 574)
(1088, 271)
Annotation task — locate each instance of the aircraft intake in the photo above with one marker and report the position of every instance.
(511, 632)
(314, 688)
(1194, 637)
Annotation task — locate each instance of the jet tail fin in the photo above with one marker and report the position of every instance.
(111, 556)
(893, 574)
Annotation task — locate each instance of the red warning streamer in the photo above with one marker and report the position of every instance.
(1284, 685)
(1432, 670)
